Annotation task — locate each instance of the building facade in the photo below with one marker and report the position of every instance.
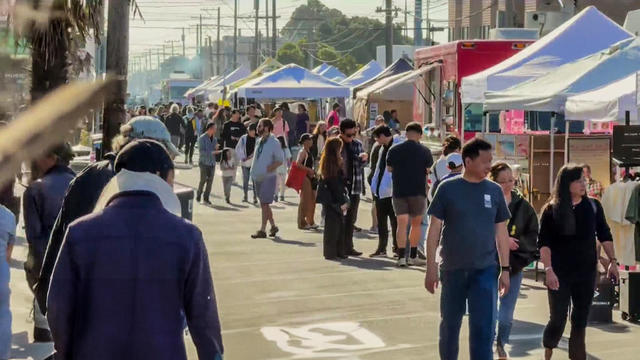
(472, 19)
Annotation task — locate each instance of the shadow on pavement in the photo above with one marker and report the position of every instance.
(364, 235)
(369, 263)
(223, 208)
(615, 328)
(526, 341)
(280, 240)
(22, 349)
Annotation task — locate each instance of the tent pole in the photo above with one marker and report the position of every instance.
(566, 141)
(462, 125)
(487, 116)
(552, 150)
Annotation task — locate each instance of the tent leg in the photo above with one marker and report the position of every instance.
(461, 132)
(552, 151)
(486, 126)
(566, 141)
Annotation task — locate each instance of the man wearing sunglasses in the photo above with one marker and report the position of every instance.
(354, 161)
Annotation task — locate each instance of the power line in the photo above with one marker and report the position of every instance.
(493, 3)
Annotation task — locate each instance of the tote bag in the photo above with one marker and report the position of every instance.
(296, 176)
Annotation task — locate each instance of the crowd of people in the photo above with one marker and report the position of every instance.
(480, 228)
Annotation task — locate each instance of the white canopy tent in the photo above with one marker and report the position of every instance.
(292, 82)
(215, 90)
(550, 92)
(588, 32)
(196, 90)
(608, 103)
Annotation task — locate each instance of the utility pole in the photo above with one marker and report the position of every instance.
(256, 57)
(114, 113)
(218, 46)
(266, 22)
(388, 10)
(427, 23)
(274, 30)
(235, 33)
(210, 55)
(312, 49)
(184, 53)
(406, 20)
(200, 35)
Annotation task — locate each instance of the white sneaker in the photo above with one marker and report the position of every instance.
(410, 262)
(416, 261)
(402, 262)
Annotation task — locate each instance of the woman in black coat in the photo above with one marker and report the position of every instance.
(332, 194)
(568, 227)
(523, 236)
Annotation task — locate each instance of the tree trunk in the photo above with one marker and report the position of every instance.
(114, 114)
(49, 59)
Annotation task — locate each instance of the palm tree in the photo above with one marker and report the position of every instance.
(68, 21)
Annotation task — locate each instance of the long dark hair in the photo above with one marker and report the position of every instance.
(331, 160)
(560, 200)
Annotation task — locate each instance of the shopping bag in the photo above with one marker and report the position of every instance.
(296, 176)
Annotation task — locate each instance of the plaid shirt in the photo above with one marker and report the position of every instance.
(358, 168)
(594, 189)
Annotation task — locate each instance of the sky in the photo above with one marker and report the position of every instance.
(164, 19)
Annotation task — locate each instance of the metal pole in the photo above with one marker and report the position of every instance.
(235, 33)
(274, 36)
(389, 37)
(200, 36)
(552, 148)
(266, 22)
(567, 123)
(218, 45)
(487, 122)
(256, 56)
(211, 55)
(184, 52)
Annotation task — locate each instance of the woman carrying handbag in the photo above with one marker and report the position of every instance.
(307, 206)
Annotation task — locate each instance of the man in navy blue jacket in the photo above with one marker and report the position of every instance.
(129, 273)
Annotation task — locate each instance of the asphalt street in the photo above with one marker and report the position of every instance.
(279, 299)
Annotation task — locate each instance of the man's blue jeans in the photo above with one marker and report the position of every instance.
(507, 306)
(478, 288)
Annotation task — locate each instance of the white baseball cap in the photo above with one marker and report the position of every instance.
(148, 127)
(454, 160)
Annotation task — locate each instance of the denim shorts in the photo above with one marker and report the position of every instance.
(266, 189)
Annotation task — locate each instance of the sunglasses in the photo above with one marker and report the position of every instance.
(350, 135)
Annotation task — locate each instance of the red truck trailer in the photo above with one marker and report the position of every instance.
(458, 59)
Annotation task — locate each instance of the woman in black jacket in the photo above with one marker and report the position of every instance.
(523, 234)
(567, 242)
(333, 195)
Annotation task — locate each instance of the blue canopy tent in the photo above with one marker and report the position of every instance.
(366, 73)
